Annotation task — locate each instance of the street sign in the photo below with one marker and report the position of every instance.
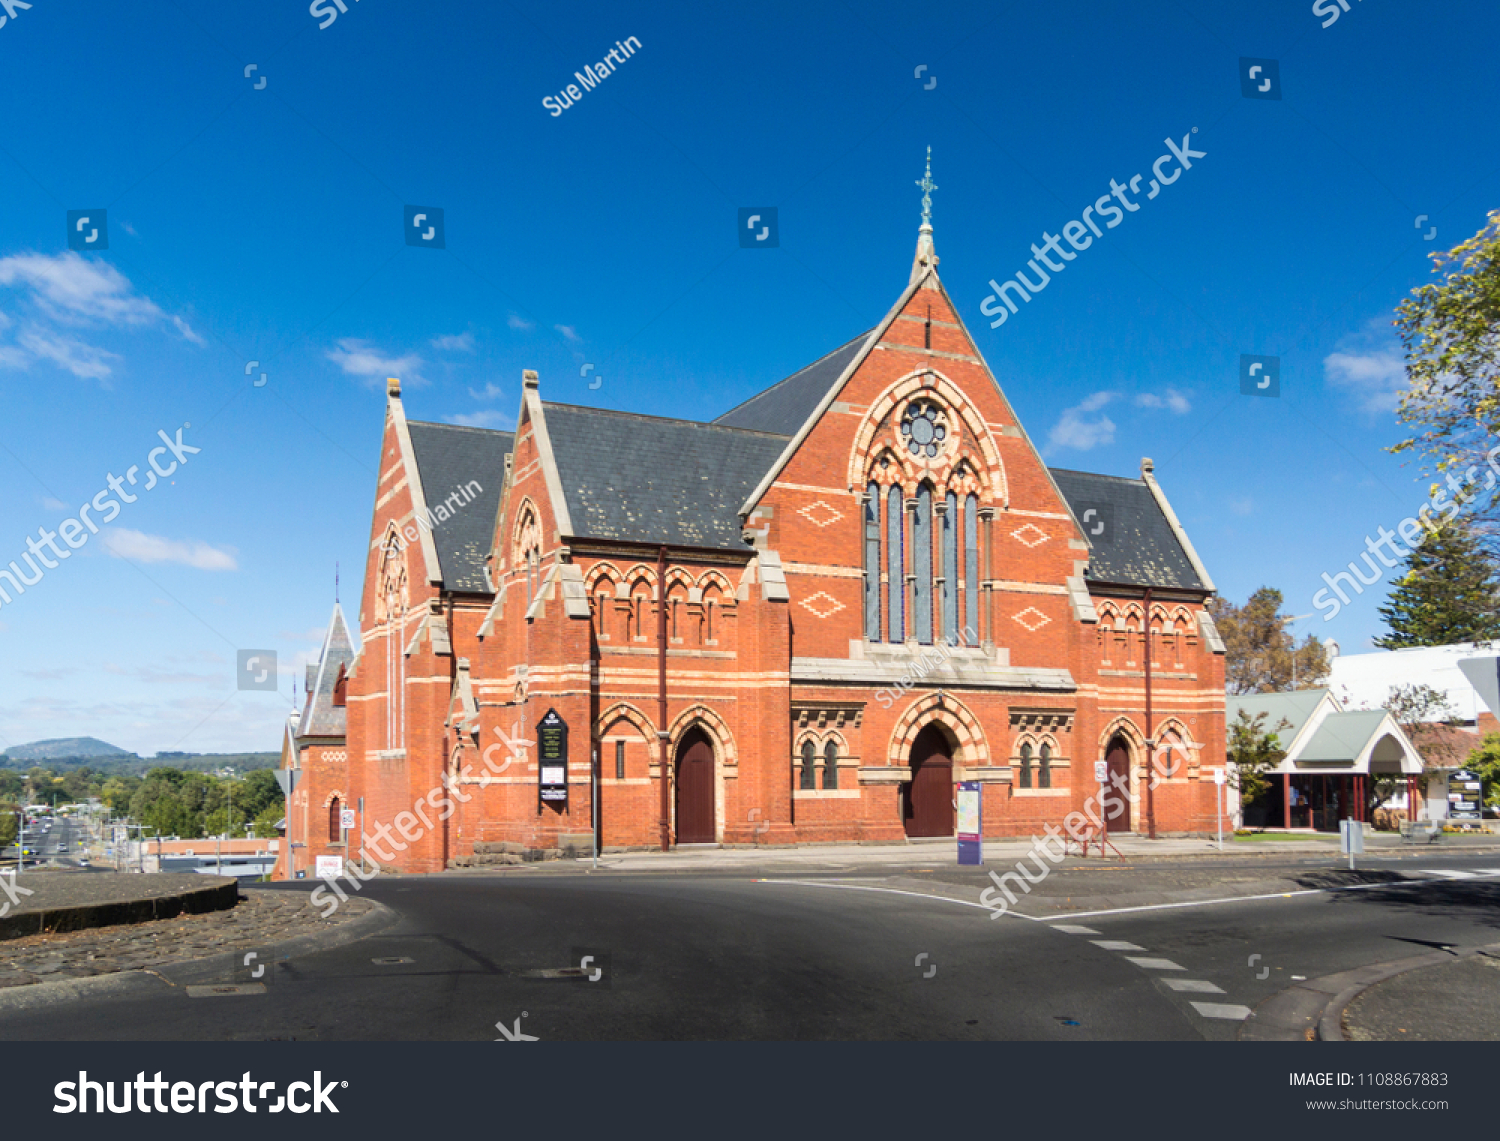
(1351, 839)
(1464, 795)
(329, 867)
(969, 824)
(346, 818)
(1101, 772)
(552, 760)
(1221, 776)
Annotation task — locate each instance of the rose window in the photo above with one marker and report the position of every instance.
(923, 428)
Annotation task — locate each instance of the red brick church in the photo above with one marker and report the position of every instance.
(801, 622)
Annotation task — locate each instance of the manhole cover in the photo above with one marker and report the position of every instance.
(213, 990)
(392, 961)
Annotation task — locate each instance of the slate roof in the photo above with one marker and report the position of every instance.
(449, 456)
(320, 716)
(1136, 546)
(785, 406)
(648, 479)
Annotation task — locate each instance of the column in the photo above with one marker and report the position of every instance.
(986, 600)
(909, 552)
(1286, 800)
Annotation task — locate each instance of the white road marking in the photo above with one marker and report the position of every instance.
(1449, 874)
(1115, 945)
(898, 891)
(1155, 964)
(1073, 929)
(1197, 986)
(1230, 1011)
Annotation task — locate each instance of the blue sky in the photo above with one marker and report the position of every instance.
(267, 224)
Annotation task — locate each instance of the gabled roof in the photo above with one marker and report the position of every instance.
(1342, 736)
(450, 457)
(783, 408)
(321, 717)
(647, 479)
(1295, 707)
(1133, 542)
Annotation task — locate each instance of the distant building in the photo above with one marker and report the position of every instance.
(1365, 681)
(314, 761)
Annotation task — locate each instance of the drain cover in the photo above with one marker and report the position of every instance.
(392, 961)
(212, 990)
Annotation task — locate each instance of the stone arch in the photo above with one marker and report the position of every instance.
(962, 728)
(867, 447)
(600, 570)
(624, 711)
(716, 578)
(712, 724)
(1174, 731)
(1123, 726)
(526, 535)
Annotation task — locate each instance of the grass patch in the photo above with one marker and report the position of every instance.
(1271, 837)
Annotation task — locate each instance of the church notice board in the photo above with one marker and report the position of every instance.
(1464, 799)
(552, 760)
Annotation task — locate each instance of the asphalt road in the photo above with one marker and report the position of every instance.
(58, 841)
(702, 956)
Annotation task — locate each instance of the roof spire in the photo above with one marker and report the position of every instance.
(926, 255)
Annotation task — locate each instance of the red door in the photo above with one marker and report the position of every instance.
(927, 799)
(1114, 800)
(695, 790)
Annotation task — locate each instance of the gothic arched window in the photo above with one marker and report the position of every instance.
(1025, 769)
(971, 570)
(809, 765)
(831, 765)
(1044, 772)
(895, 563)
(949, 574)
(922, 565)
(872, 562)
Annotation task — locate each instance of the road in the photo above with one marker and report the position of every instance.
(58, 840)
(821, 956)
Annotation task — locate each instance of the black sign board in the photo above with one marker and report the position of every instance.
(1464, 795)
(552, 760)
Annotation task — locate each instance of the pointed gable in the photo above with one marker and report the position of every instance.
(322, 717)
(462, 470)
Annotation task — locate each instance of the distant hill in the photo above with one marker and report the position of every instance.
(61, 748)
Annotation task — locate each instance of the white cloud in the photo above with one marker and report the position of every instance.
(145, 548)
(188, 334)
(1242, 506)
(1171, 399)
(488, 418)
(1078, 429)
(1374, 379)
(357, 358)
(83, 360)
(68, 286)
(491, 391)
(518, 322)
(53, 504)
(568, 331)
(462, 343)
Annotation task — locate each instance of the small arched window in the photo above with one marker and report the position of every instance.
(809, 765)
(922, 565)
(1044, 771)
(831, 765)
(871, 516)
(335, 821)
(1025, 771)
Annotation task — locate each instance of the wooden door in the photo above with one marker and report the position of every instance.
(927, 799)
(695, 790)
(1118, 758)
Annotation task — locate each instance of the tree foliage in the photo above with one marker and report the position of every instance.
(1450, 331)
(1447, 593)
(1253, 751)
(1260, 654)
(1426, 717)
(1484, 761)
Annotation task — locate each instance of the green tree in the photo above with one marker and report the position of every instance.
(260, 792)
(1446, 594)
(265, 823)
(1451, 335)
(1484, 761)
(1252, 752)
(1260, 655)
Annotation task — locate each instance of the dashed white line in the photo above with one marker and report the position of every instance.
(898, 891)
(1073, 929)
(1155, 964)
(1116, 945)
(1197, 986)
(1225, 1010)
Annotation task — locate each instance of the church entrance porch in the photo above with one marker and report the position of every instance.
(1118, 759)
(927, 799)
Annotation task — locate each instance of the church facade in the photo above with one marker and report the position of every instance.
(802, 622)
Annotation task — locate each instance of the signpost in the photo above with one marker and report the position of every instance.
(346, 818)
(1465, 791)
(1351, 839)
(329, 867)
(970, 824)
(552, 761)
(1221, 777)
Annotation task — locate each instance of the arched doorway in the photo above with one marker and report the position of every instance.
(927, 799)
(695, 789)
(1118, 759)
